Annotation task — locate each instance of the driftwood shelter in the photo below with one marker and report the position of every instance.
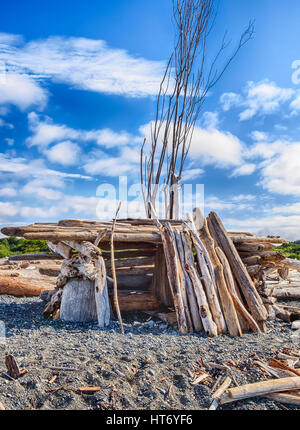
(193, 272)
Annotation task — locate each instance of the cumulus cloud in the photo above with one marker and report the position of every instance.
(64, 153)
(21, 91)
(244, 170)
(260, 98)
(23, 168)
(8, 191)
(45, 133)
(281, 174)
(83, 63)
(127, 162)
(209, 146)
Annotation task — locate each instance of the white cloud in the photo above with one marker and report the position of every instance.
(23, 168)
(293, 208)
(260, 98)
(210, 120)
(287, 227)
(215, 147)
(209, 146)
(21, 91)
(191, 173)
(244, 197)
(46, 132)
(64, 153)
(83, 63)
(244, 170)
(229, 100)
(259, 136)
(8, 192)
(126, 163)
(281, 174)
(7, 210)
(233, 204)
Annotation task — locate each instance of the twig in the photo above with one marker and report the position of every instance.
(113, 270)
(100, 236)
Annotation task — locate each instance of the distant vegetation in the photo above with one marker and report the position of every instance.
(290, 250)
(12, 246)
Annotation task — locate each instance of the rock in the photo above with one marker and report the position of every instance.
(296, 325)
(295, 338)
(151, 372)
(2, 407)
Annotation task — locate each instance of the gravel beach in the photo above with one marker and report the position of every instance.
(147, 368)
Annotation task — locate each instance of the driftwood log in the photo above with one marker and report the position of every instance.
(20, 288)
(245, 283)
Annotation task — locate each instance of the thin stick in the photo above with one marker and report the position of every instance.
(113, 271)
(100, 236)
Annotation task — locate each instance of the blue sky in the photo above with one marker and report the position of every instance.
(78, 95)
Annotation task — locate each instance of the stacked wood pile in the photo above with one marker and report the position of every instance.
(262, 260)
(193, 268)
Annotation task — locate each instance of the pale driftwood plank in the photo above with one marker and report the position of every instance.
(252, 297)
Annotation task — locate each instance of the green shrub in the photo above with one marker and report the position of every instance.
(12, 246)
(290, 250)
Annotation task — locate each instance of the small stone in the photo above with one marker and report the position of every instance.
(151, 372)
(296, 325)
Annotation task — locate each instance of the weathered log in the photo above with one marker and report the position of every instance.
(253, 247)
(252, 260)
(78, 302)
(291, 264)
(209, 325)
(20, 287)
(260, 389)
(160, 282)
(172, 262)
(233, 291)
(226, 299)
(253, 270)
(40, 256)
(289, 399)
(49, 270)
(211, 289)
(187, 258)
(92, 236)
(136, 301)
(287, 293)
(191, 301)
(131, 262)
(237, 240)
(85, 248)
(60, 248)
(252, 297)
(101, 294)
(141, 270)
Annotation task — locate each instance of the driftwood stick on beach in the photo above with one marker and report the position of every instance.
(113, 269)
(260, 389)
